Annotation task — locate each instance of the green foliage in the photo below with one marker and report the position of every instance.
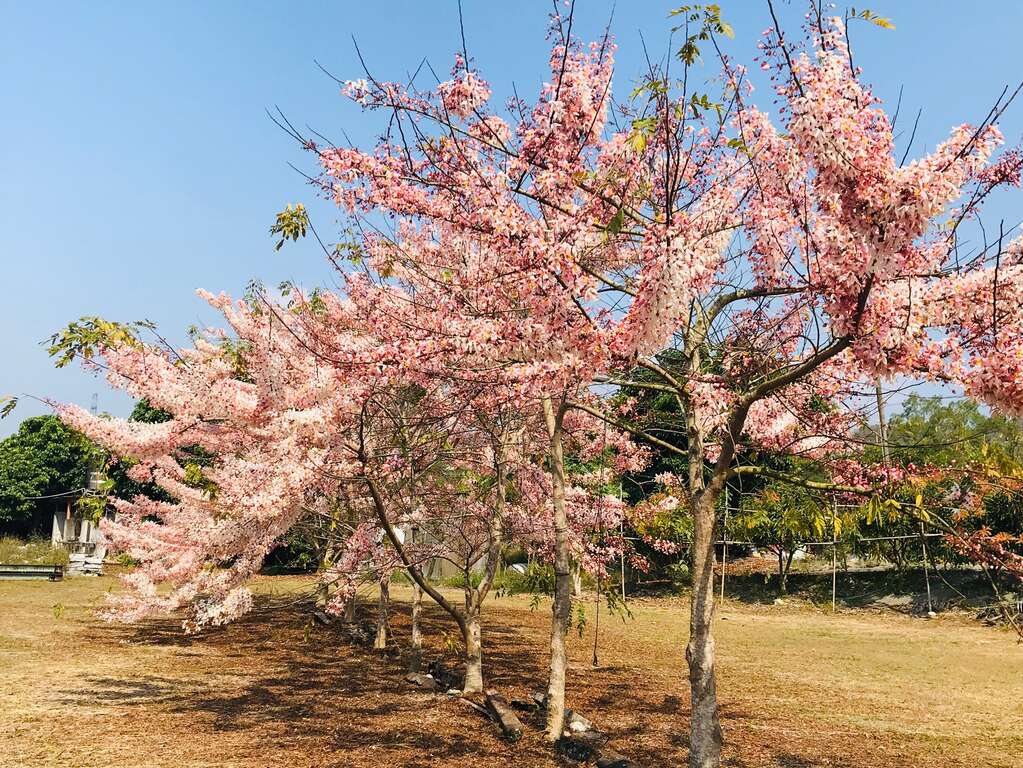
(9, 403)
(872, 17)
(706, 21)
(538, 580)
(783, 517)
(642, 129)
(88, 335)
(618, 220)
(739, 145)
(675, 525)
(291, 224)
(580, 618)
(296, 551)
(980, 455)
(92, 507)
(932, 431)
(43, 457)
(458, 580)
(701, 102)
(196, 478)
(147, 414)
(349, 249)
(679, 574)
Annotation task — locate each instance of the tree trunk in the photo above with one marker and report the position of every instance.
(782, 572)
(577, 581)
(704, 726)
(786, 571)
(416, 659)
(473, 656)
(350, 610)
(323, 588)
(380, 642)
(562, 606)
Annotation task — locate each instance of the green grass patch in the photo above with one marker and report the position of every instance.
(14, 551)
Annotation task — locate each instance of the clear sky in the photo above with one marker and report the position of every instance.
(137, 162)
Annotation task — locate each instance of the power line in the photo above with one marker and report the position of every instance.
(56, 495)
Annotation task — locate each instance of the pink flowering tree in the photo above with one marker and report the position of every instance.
(265, 414)
(439, 470)
(763, 272)
(400, 466)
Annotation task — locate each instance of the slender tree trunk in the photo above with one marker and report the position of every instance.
(704, 727)
(577, 581)
(416, 658)
(385, 598)
(784, 568)
(468, 620)
(562, 605)
(323, 588)
(350, 610)
(473, 655)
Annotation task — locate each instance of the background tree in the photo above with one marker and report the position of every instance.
(781, 519)
(44, 457)
(950, 433)
(970, 463)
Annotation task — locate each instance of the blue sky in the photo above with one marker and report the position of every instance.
(138, 163)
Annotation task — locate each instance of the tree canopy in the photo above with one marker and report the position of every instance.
(44, 457)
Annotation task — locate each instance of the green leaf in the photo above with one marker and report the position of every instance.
(873, 18)
(10, 402)
(617, 222)
(88, 335)
(291, 224)
(738, 144)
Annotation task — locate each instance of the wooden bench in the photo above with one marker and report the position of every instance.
(23, 571)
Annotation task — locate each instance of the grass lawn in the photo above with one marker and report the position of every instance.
(799, 688)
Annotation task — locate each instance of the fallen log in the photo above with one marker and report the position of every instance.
(505, 716)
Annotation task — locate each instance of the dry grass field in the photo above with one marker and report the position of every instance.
(800, 688)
